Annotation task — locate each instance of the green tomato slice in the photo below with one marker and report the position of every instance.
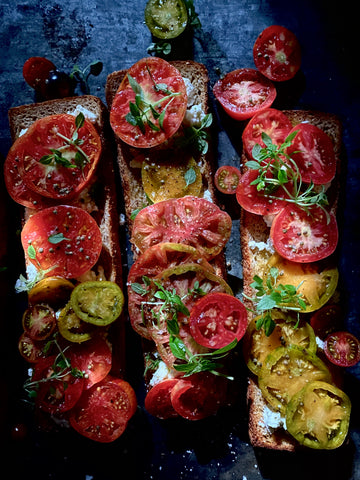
(318, 416)
(99, 303)
(166, 19)
(257, 345)
(285, 371)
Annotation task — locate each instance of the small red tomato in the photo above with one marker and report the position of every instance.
(342, 348)
(227, 179)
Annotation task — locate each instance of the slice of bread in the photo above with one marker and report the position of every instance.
(256, 249)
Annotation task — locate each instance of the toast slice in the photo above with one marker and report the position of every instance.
(264, 427)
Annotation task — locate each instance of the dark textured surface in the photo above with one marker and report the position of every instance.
(77, 32)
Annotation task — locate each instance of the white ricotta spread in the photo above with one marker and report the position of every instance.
(87, 113)
(190, 92)
(194, 116)
(272, 420)
(160, 374)
(267, 246)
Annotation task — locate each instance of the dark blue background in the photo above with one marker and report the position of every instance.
(78, 32)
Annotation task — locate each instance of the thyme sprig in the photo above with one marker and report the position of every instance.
(82, 75)
(197, 137)
(270, 295)
(56, 156)
(274, 160)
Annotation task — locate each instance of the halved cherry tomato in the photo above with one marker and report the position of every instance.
(163, 87)
(199, 395)
(158, 400)
(56, 394)
(65, 239)
(244, 92)
(227, 179)
(49, 164)
(313, 152)
(71, 327)
(272, 122)
(104, 410)
(327, 320)
(36, 70)
(217, 319)
(39, 321)
(304, 237)
(277, 53)
(94, 359)
(318, 416)
(257, 201)
(31, 350)
(190, 220)
(342, 348)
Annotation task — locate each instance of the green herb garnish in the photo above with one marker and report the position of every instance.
(82, 76)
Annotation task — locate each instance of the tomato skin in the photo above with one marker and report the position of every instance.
(227, 179)
(148, 72)
(158, 401)
(35, 72)
(303, 237)
(39, 321)
(244, 92)
(277, 53)
(217, 319)
(31, 350)
(103, 412)
(79, 230)
(342, 348)
(326, 320)
(255, 201)
(271, 121)
(313, 152)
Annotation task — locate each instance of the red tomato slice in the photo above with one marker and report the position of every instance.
(17, 188)
(313, 152)
(56, 395)
(189, 220)
(158, 401)
(303, 237)
(94, 358)
(150, 72)
(342, 348)
(217, 319)
(326, 320)
(198, 396)
(31, 350)
(255, 201)
(227, 179)
(36, 70)
(244, 92)
(277, 53)
(104, 410)
(66, 239)
(44, 136)
(39, 321)
(272, 122)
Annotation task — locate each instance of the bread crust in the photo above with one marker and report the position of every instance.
(253, 229)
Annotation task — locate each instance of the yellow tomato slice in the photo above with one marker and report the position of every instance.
(172, 178)
(318, 416)
(257, 345)
(316, 284)
(54, 291)
(71, 327)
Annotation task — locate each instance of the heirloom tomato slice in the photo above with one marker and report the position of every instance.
(303, 236)
(71, 327)
(190, 220)
(39, 321)
(199, 395)
(150, 103)
(158, 399)
(58, 387)
(318, 416)
(54, 291)
(64, 239)
(342, 348)
(277, 53)
(244, 92)
(104, 410)
(217, 319)
(272, 122)
(166, 20)
(257, 345)
(258, 201)
(313, 152)
(56, 158)
(285, 371)
(227, 179)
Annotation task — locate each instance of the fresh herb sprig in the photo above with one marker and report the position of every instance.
(269, 295)
(56, 156)
(274, 160)
(81, 76)
(197, 137)
(171, 305)
(25, 284)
